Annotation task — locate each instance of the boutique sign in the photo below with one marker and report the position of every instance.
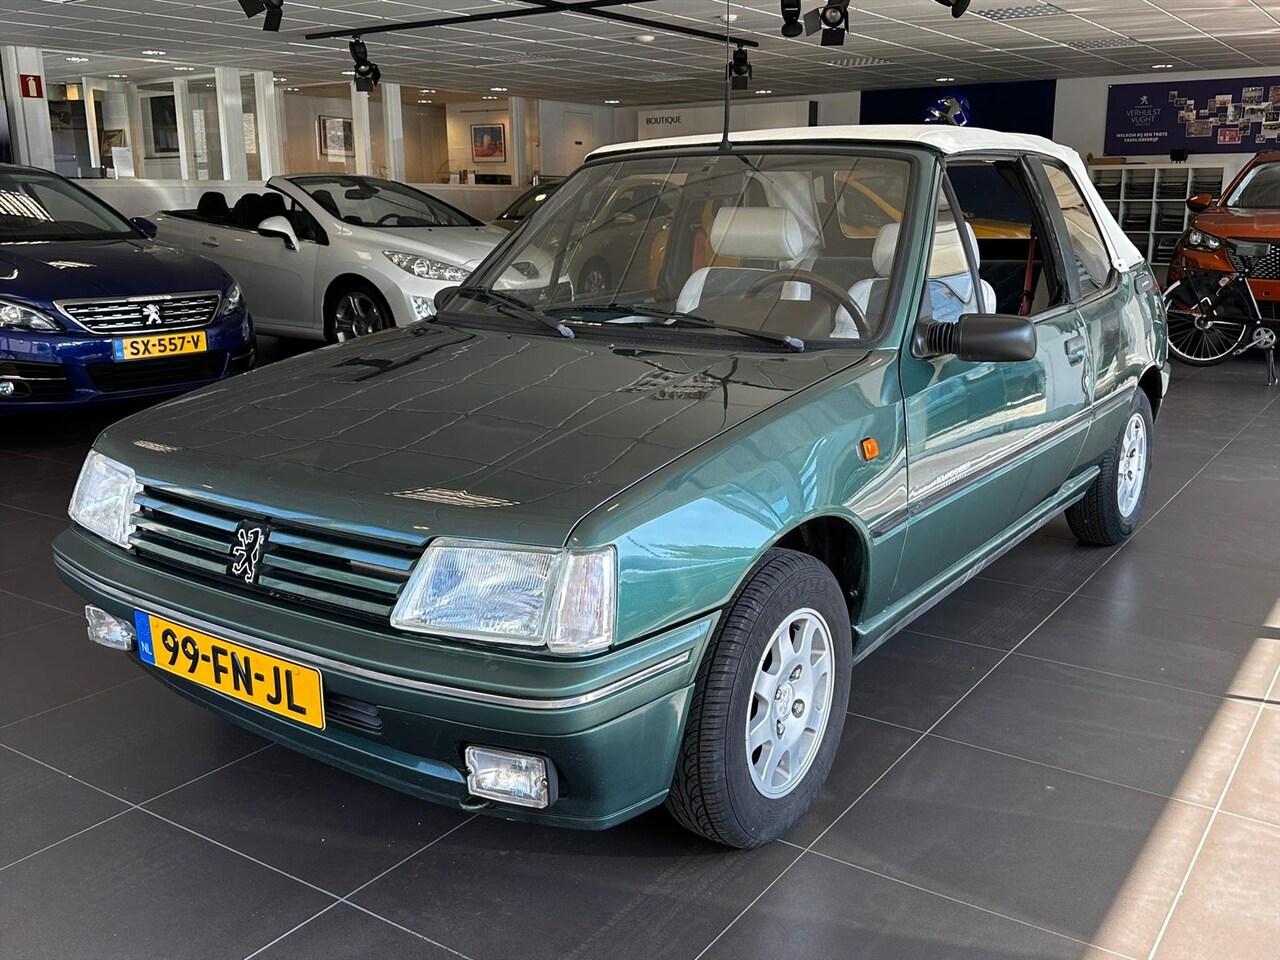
(1201, 116)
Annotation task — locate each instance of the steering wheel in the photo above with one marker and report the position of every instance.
(388, 216)
(819, 283)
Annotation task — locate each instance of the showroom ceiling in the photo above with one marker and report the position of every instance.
(572, 57)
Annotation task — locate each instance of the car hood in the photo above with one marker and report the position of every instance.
(1240, 224)
(44, 272)
(465, 246)
(440, 430)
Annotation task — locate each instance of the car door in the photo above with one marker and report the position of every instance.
(989, 442)
(278, 282)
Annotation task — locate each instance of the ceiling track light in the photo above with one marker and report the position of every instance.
(367, 73)
(958, 7)
(832, 19)
(274, 9)
(740, 70)
(791, 25)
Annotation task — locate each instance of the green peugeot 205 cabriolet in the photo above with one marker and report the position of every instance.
(565, 555)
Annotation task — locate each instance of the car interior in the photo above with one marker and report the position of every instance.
(250, 210)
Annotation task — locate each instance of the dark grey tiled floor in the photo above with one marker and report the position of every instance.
(1077, 755)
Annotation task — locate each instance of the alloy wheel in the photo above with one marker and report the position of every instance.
(357, 315)
(1131, 470)
(790, 703)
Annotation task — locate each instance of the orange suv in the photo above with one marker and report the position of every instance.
(1249, 209)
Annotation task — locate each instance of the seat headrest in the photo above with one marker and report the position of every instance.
(973, 244)
(757, 233)
(947, 259)
(212, 204)
(274, 205)
(886, 246)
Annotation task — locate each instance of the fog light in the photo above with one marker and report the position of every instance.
(108, 630)
(7, 389)
(423, 307)
(518, 778)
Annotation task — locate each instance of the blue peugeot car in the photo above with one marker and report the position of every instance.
(92, 308)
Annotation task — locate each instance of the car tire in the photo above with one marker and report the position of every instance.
(1110, 512)
(595, 278)
(754, 673)
(355, 310)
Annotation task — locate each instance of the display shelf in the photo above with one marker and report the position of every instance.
(1149, 201)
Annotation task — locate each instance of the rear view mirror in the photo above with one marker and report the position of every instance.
(279, 227)
(1200, 202)
(978, 338)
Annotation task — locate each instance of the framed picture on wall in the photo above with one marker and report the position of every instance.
(489, 142)
(334, 137)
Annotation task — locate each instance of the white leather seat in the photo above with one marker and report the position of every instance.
(746, 233)
(951, 290)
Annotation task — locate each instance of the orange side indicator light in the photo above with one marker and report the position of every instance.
(870, 449)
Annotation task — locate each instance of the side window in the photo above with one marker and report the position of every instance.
(1014, 260)
(950, 292)
(1088, 247)
(304, 224)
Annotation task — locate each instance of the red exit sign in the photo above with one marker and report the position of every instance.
(31, 85)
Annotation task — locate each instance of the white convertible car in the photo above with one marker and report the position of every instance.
(332, 256)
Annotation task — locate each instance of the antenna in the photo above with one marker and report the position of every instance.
(725, 145)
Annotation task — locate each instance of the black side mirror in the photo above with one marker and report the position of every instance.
(978, 338)
(443, 297)
(145, 226)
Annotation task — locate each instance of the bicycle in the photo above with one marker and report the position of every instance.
(1214, 315)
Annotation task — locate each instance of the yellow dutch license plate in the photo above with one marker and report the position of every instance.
(281, 687)
(160, 345)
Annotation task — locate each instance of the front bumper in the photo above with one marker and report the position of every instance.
(52, 371)
(611, 724)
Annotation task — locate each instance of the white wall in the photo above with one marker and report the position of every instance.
(557, 156)
(834, 109)
(1080, 119)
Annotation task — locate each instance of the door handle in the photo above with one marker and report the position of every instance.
(1075, 348)
(210, 242)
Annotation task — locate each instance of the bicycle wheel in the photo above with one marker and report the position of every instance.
(1197, 338)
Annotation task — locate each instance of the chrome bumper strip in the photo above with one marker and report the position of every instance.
(423, 686)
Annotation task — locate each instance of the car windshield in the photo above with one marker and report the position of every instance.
(790, 247)
(368, 202)
(1259, 190)
(35, 208)
(528, 202)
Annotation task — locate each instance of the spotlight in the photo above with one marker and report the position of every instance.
(740, 70)
(367, 73)
(832, 20)
(791, 26)
(958, 7)
(274, 8)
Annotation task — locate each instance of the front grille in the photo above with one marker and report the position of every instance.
(119, 376)
(351, 712)
(37, 381)
(178, 311)
(300, 562)
(1267, 268)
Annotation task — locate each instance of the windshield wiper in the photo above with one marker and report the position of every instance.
(511, 306)
(690, 319)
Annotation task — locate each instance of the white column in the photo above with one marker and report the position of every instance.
(270, 124)
(92, 121)
(360, 131)
(393, 130)
(137, 136)
(29, 125)
(235, 165)
(186, 134)
(518, 141)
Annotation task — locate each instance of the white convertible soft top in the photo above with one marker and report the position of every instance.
(945, 139)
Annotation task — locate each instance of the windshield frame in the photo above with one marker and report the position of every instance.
(299, 180)
(925, 164)
(128, 232)
(1232, 200)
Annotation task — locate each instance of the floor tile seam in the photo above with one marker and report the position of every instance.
(1208, 827)
(60, 706)
(1138, 548)
(207, 773)
(409, 930)
(40, 603)
(395, 866)
(756, 899)
(1099, 670)
(70, 836)
(292, 930)
(69, 776)
(964, 903)
(1014, 583)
